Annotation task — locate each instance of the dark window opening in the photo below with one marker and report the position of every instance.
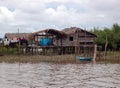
(71, 38)
(82, 43)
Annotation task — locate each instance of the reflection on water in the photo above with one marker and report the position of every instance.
(48, 75)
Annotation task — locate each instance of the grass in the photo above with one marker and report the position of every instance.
(38, 58)
(10, 55)
(4, 50)
(61, 59)
(111, 57)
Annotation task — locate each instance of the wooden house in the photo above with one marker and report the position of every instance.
(47, 40)
(45, 35)
(77, 37)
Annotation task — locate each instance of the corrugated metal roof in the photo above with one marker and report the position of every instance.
(73, 30)
(17, 35)
(57, 33)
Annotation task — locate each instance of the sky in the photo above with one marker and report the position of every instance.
(34, 15)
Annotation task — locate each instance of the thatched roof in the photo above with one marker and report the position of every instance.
(73, 30)
(17, 35)
(58, 34)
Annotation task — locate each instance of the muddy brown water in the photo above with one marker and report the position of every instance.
(49, 75)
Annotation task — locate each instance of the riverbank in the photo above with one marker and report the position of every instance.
(38, 58)
(110, 58)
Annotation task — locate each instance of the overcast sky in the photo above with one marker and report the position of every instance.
(34, 15)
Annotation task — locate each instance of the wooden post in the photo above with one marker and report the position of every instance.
(61, 47)
(105, 52)
(18, 41)
(95, 53)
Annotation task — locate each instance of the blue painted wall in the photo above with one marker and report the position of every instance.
(45, 41)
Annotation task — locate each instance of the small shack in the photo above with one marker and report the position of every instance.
(13, 38)
(47, 40)
(47, 37)
(17, 35)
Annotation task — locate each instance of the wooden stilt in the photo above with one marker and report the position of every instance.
(105, 52)
(95, 53)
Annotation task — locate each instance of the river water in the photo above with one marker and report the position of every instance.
(49, 75)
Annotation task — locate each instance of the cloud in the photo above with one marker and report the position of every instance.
(6, 16)
(33, 15)
(62, 15)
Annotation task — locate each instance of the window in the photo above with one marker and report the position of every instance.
(70, 38)
(82, 43)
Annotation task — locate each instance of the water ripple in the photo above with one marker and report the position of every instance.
(48, 75)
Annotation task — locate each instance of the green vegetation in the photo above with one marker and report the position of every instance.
(8, 50)
(112, 35)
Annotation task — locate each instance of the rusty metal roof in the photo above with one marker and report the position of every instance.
(57, 33)
(17, 35)
(73, 30)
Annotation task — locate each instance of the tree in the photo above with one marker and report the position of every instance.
(113, 37)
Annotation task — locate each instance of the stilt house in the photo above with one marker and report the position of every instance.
(77, 38)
